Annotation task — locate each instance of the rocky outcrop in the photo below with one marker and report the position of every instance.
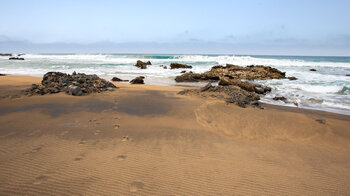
(16, 58)
(2, 74)
(253, 72)
(230, 94)
(5, 54)
(75, 84)
(138, 80)
(142, 65)
(225, 81)
(178, 66)
(116, 79)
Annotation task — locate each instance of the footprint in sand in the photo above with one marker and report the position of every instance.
(82, 142)
(40, 179)
(34, 150)
(64, 133)
(97, 132)
(125, 139)
(116, 126)
(78, 159)
(136, 186)
(121, 157)
(34, 132)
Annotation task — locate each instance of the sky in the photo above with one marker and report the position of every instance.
(298, 27)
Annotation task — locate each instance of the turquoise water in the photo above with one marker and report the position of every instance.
(326, 89)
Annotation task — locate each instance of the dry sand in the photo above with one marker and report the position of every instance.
(147, 140)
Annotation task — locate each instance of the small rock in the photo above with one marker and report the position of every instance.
(280, 98)
(137, 80)
(321, 121)
(142, 65)
(2, 74)
(110, 88)
(292, 78)
(75, 90)
(205, 88)
(178, 65)
(313, 70)
(183, 71)
(347, 75)
(116, 79)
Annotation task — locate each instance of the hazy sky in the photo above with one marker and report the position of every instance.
(312, 27)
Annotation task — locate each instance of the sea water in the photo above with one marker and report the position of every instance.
(326, 89)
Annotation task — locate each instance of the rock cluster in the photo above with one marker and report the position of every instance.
(137, 80)
(75, 84)
(231, 86)
(253, 72)
(230, 93)
(142, 65)
(178, 65)
(16, 58)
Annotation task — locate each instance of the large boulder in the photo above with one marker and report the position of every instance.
(142, 65)
(75, 84)
(178, 65)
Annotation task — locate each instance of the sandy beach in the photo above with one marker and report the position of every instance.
(148, 140)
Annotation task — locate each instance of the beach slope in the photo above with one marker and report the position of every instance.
(148, 140)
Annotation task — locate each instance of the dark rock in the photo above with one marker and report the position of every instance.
(244, 85)
(183, 71)
(137, 80)
(252, 72)
(142, 65)
(206, 87)
(16, 58)
(321, 121)
(292, 78)
(347, 75)
(231, 94)
(2, 74)
(74, 90)
(5, 54)
(116, 79)
(313, 70)
(165, 67)
(280, 98)
(178, 65)
(76, 84)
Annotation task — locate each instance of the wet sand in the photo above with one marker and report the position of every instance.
(147, 140)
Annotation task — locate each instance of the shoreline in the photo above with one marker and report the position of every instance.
(25, 82)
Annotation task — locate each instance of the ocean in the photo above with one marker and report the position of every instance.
(327, 89)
